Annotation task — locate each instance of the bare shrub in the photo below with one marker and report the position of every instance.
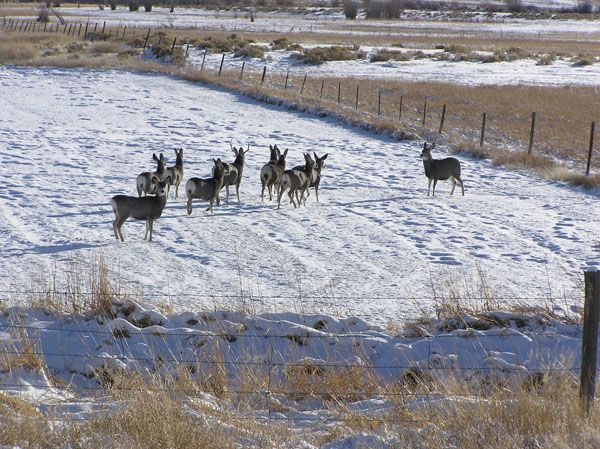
(350, 9)
(148, 5)
(250, 51)
(134, 5)
(514, 5)
(98, 48)
(584, 7)
(319, 55)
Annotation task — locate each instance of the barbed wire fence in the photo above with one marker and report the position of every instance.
(282, 356)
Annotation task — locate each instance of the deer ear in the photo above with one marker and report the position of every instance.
(214, 160)
(285, 152)
(154, 157)
(154, 179)
(324, 157)
(432, 146)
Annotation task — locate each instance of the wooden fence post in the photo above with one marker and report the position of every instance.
(482, 130)
(589, 341)
(103, 27)
(379, 104)
(339, 91)
(356, 106)
(303, 83)
(532, 132)
(322, 86)
(187, 49)
(400, 108)
(424, 111)
(124, 30)
(173, 48)
(589, 158)
(287, 76)
(95, 28)
(242, 70)
(263, 75)
(221, 66)
(203, 59)
(442, 120)
(146, 40)
(80, 27)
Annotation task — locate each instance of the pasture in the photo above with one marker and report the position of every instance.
(375, 246)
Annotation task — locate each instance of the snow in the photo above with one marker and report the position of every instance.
(519, 72)
(330, 21)
(374, 246)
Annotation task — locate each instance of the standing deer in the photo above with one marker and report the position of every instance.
(148, 208)
(235, 170)
(146, 181)
(315, 176)
(206, 189)
(297, 180)
(176, 171)
(270, 174)
(440, 169)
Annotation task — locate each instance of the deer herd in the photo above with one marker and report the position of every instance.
(153, 187)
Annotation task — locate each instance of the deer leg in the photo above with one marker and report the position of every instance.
(279, 198)
(146, 234)
(117, 228)
(270, 187)
(237, 191)
(434, 183)
(429, 186)
(317, 193)
(189, 205)
(453, 184)
(291, 195)
(150, 224)
(227, 190)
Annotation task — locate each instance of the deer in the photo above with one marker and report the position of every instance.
(176, 172)
(206, 189)
(147, 208)
(315, 177)
(297, 180)
(146, 181)
(440, 169)
(235, 170)
(270, 173)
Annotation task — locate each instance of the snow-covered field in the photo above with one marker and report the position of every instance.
(525, 71)
(373, 246)
(332, 21)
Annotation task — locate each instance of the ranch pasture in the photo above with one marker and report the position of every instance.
(373, 246)
(378, 317)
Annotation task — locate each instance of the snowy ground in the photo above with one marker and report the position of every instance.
(372, 247)
(524, 71)
(324, 20)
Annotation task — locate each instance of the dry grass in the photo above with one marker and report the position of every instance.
(547, 416)
(16, 51)
(75, 289)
